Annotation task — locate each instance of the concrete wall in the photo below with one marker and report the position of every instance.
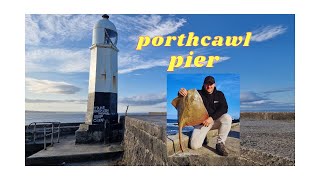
(268, 115)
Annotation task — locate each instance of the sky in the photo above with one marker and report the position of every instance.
(229, 84)
(57, 59)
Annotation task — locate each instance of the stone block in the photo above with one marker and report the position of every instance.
(267, 115)
(173, 145)
(88, 133)
(210, 136)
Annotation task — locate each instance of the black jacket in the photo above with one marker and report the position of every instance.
(215, 103)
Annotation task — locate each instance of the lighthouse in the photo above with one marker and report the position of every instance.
(103, 76)
(102, 113)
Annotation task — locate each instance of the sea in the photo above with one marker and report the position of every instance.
(63, 117)
(172, 127)
(79, 117)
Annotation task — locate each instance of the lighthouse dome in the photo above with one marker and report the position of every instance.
(104, 32)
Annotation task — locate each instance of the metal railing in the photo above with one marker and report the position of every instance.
(48, 129)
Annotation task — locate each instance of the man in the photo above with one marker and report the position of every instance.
(217, 107)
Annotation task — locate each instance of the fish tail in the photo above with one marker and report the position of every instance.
(180, 134)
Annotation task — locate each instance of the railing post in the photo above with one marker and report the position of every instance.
(104, 131)
(52, 131)
(59, 132)
(44, 138)
(34, 133)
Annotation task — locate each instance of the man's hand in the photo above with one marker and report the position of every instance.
(183, 92)
(207, 122)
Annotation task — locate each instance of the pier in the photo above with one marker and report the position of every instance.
(261, 141)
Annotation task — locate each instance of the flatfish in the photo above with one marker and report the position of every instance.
(191, 111)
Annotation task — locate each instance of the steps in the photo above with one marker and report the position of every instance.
(68, 152)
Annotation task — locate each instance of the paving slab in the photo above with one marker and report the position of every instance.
(206, 155)
(68, 151)
(276, 137)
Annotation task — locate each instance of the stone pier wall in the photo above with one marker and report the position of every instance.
(267, 115)
(145, 141)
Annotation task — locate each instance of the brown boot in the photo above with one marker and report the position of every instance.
(221, 150)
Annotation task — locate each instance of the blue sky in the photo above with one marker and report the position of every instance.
(58, 56)
(229, 84)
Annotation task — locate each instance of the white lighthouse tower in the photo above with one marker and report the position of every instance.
(103, 83)
(103, 78)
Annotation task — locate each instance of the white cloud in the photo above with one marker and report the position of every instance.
(146, 99)
(57, 60)
(129, 62)
(143, 103)
(253, 101)
(77, 101)
(141, 109)
(48, 30)
(282, 90)
(53, 29)
(148, 25)
(223, 58)
(267, 33)
(56, 28)
(251, 97)
(144, 65)
(67, 61)
(202, 51)
(50, 87)
(57, 107)
(206, 62)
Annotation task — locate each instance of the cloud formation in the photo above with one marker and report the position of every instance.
(54, 29)
(57, 60)
(147, 25)
(250, 101)
(78, 101)
(129, 62)
(267, 33)
(142, 100)
(50, 87)
(251, 98)
(288, 89)
(268, 106)
(45, 33)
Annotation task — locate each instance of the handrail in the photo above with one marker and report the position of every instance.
(45, 134)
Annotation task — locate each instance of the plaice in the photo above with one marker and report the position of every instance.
(191, 111)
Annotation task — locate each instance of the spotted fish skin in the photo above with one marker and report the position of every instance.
(191, 111)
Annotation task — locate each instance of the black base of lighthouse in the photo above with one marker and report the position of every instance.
(102, 106)
(100, 133)
(102, 124)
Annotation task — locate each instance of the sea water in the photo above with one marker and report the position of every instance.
(173, 128)
(63, 117)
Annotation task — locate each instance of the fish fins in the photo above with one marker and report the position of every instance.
(175, 102)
